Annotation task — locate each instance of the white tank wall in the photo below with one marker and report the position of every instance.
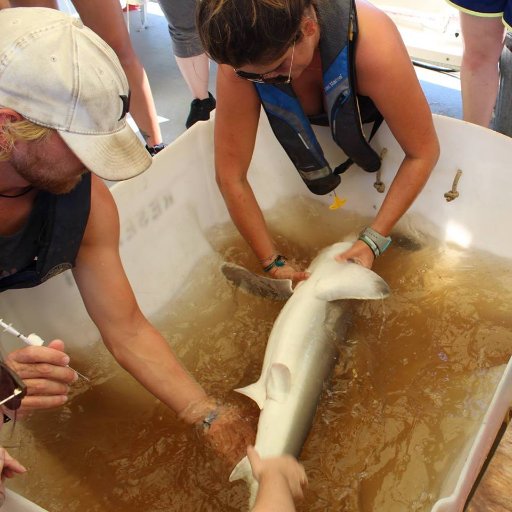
(165, 211)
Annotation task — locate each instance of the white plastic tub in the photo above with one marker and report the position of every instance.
(171, 206)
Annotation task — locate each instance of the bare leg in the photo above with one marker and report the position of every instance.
(483, 42)
(195, 71)
(105, 17)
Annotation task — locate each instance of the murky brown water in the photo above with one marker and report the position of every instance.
(413, 380)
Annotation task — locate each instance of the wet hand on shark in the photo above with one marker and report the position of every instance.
(369, 245)
(225, 428)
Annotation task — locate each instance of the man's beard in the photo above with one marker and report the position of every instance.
(41, 175)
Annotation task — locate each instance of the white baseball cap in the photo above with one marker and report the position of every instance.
(57, 73)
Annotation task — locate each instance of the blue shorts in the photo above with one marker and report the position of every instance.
(487, 9)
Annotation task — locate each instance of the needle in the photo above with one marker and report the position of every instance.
(32, 339)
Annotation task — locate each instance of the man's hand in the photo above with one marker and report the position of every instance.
(230, 433)
(9, 467)
(359, 253)
(44, 371)
(226, 429)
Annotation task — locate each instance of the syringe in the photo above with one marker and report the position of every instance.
(31, 339)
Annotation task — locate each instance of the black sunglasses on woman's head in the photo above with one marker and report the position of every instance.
(263, 78)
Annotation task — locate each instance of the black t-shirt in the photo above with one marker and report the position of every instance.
(18, 251)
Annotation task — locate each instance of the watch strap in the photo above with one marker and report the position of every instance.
(374, 240)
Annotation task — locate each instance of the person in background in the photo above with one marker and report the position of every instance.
(105, 17)
(192, 61)
(281, 480)
(58, 142)
(9, 468)
(483, 25)
(331, 62)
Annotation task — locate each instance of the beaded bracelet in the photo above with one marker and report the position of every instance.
(279, 261)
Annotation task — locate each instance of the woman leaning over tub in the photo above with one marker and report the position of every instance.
(313, 61)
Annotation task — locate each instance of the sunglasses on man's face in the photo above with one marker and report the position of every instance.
(12, 388)
(269, 77)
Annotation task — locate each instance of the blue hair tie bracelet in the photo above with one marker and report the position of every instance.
(279, 261)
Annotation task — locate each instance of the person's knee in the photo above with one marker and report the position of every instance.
(475, 59)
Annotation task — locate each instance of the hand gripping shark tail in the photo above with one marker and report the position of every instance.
(300, 351)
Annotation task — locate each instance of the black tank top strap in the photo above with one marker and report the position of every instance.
(53, 237)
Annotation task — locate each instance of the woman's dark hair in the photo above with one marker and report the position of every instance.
(240, 32)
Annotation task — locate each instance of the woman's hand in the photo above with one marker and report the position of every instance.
(359, 253)
(287, 272)
(277, 267)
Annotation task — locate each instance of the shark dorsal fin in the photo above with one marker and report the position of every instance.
(279, 382)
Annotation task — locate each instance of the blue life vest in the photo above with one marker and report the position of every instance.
(59, 240)
(345, 115)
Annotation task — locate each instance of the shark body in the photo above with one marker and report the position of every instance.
(301, 351)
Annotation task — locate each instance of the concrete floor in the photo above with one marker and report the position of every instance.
(172, 97)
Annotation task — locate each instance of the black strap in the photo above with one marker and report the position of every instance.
(348, 162)
(343, 166)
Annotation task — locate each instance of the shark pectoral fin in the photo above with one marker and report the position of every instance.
(279, 289)
(255, 392)
(351, 281)
(279, 382)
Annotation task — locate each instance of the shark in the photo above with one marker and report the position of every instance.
(302, 350)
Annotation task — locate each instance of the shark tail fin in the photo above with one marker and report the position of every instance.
(243, 471)
(255, 392)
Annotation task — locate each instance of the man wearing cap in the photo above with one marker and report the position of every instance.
(63, 105)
